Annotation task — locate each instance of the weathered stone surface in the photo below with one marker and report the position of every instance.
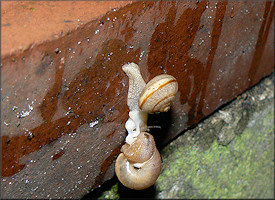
(63, 101)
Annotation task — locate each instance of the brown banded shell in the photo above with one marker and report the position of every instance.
(158, 94)
(139, 175)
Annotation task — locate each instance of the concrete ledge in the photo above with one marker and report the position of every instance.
(63, 99)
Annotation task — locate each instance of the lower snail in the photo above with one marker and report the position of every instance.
(139, 164)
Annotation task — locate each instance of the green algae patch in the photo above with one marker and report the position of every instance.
(242, 169)
(110, 194)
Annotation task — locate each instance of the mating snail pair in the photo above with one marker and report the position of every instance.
(139, 164)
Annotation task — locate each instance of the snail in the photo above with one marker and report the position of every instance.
(155, 96)
(139, 164)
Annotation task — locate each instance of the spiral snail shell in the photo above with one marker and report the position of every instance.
(139, 164)
(158, 94)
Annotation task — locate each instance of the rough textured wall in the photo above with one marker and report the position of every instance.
(63, 101)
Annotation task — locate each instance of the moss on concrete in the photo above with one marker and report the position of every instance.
(242, 169)
(111, 194)
(228, 155)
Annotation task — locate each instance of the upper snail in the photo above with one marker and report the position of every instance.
(155, 96)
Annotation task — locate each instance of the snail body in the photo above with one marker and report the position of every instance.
(137, 121)
(136, 84)
(139, 164)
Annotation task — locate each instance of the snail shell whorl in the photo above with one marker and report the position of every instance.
(135, 174)
(141, 149)
(158, 94)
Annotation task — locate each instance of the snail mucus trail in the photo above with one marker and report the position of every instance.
(139, 164)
